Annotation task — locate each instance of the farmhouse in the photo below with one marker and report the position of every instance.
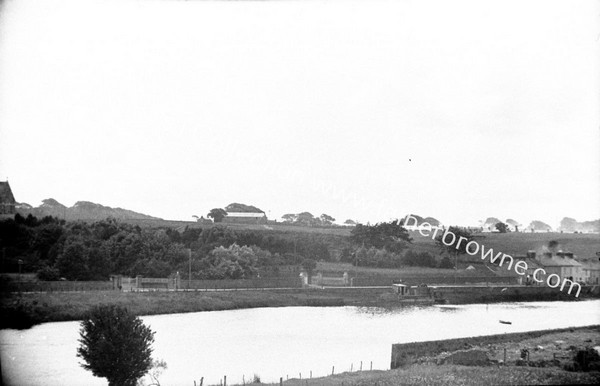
(7, 200)
(591, 272)
(245, 218)
(562, 264)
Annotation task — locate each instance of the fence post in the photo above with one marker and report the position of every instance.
(351, 367)
(280, 381)
(360, 365)
(371, 365)
(332, 369)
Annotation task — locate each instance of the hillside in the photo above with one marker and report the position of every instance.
(513, 243)
(82, 210)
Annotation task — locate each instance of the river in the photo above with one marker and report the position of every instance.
(279, 342)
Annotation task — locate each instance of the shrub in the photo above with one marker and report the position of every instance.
(115, 345)
(47, 273)
(446, 263)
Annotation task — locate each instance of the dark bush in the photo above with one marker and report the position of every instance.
(47, 273)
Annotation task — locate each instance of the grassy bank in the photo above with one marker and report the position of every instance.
(543, 347)
(455, 375)
(27, 309)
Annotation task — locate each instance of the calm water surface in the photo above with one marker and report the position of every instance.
(275, 342)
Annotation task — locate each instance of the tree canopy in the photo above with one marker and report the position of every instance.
(502, 227)
(115, 345)
(458, 246)
(217, 214)
(389, 235)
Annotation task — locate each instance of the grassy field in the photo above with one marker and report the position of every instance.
(445, 375)
(583, 245)
(517, 244)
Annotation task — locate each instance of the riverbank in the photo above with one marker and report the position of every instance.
(24, 310)
(549, 353)
(28, 309)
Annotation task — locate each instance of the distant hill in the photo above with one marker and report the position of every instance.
(82, 210)
(571, 225)
(235, 207)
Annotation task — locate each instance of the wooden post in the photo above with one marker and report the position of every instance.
(300, 376)
(332, 369)
(280, 381)
(371, 365)
(360, 365)
(224, 380)
(351, 366)
(201, 381)
(310, 374)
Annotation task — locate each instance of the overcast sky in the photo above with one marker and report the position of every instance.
(365, 110)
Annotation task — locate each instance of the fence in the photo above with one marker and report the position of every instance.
(366, 281)
(300, 375)
(55, 286)
(239, 284)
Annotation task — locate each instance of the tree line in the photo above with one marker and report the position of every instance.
(92, 251)
(56, 249)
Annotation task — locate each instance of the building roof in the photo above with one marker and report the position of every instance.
(556, 261)
(591, 265)
(246, 214)
(6, 196)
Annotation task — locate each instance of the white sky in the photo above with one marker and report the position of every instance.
(172, 108)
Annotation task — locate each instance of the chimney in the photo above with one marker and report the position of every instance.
(548, 255)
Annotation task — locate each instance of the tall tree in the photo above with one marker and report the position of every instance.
(305, 218)
(327, 219)
(116, 345)
(502, 227)
(217, 214)
(289, 217)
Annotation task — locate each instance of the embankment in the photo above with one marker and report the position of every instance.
(495, 294)
(27, 309)
(404, 354)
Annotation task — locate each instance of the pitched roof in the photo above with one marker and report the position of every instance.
(6, 196)
(245, 214)
(556, 261)
(591, 265)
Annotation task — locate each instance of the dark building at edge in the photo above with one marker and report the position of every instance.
(7, 200)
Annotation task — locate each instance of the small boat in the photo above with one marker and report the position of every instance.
(505, 322)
